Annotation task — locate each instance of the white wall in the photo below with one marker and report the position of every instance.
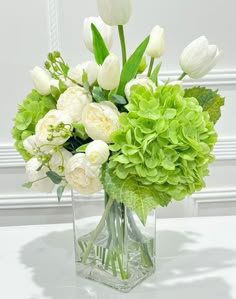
(29, 29)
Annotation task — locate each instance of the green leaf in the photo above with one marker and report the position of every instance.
(82, 148)
(55, 92)
(209, 99)
(55, 178)
(117, 99)
(23, 120)
(130, 68)
(85, 81)
(98, 94)
(155, 73)
(99, 47)
(137, 197)
(62, 86)
(60, 191)
(27, 185)
(80, 130)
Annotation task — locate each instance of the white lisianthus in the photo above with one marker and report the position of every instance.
(82, 175)
(90, 67)
(115, 12)
(43, 184)
(156, 45)
(104, 30)
(142, 80)
(42, 80)
(30, 144)
(52, 118)
(100, 120)
(73, 101)
(59, 160)
(97, 152)
(198, 58)
(109, 73)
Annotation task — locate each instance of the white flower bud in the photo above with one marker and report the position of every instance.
(156, 45)
(97, 152)
(90, 67)
(109, 73)
(42, 80)
(198, 58)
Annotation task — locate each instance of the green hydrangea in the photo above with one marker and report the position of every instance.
(164, 143)
(32, 109)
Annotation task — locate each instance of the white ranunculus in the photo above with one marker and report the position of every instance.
(109, 73)
(90, 67)
(30, 144)
(144, 81)
(156, 45)
(44, 185)
(115, 12)
(104, 30)
(42, 80)
(53, 117)
(100, 120)
(97, 152)
(198, 58)
(73, 101)
(81, 175)
(59, 159)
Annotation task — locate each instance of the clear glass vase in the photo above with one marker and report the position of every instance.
(112, 246)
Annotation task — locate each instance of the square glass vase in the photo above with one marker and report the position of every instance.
(112, 246)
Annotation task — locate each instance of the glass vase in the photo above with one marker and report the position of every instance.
(112, 246)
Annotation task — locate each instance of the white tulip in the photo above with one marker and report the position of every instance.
(97, 152)
(115, 12)
(43, 184)
(109, 73)
(104, 30)
(198, 58)
(90, 67)
(156, 45)
(42, 81)
(82, 175)
(100, 120)
(30, 144)
(73, 101)
(144, 81)
(52, 118)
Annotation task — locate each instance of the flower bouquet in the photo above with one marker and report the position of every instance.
(102, 125)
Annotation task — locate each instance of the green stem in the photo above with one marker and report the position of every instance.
(122, 43)
(150, 66)
(97, 231)
(181, 77)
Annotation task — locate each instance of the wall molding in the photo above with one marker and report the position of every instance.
(225, 149)
(212, 196)
(218, 77)
(53, 25)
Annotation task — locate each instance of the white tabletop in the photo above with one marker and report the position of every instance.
(196, 260)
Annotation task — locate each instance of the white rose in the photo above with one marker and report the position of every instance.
(100, 120)
(144, 81)
(97, 152)
(156, 45)
(104, 29)
(90, 67)
(82, 175)
(43, 184)
(198, 58)
(73, 101)
(42, 80)
(53, 117)
(109, 73)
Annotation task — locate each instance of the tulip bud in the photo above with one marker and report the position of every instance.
(109, 73)
(41, 81)
(156, 45)
(142, 65)
(115, 12)
(198, 58)
(90, 67)
(97, 152)
(104, 30)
